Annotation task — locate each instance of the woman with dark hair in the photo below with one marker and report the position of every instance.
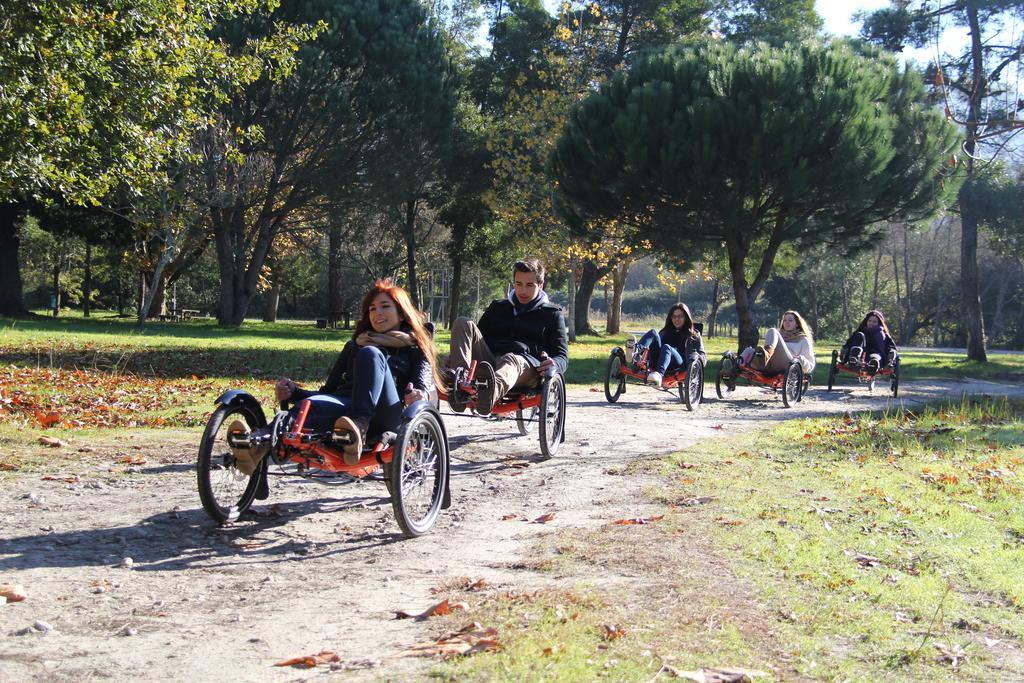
(872, 339)
(677, 342)
(390, 353)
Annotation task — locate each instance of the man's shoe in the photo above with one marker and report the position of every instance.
(351, 433)
(654, 379)
(447, 381)
(456, 397)
(248, 448)
(485, 388)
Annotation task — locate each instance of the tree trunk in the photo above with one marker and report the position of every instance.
(456, 288)
(11, 301)
(56, 287)
(715, 305)
(619, 275)
(970, 294)
(747, 332)
(273, 298)
(87, 281)
(333, 271)
(240, 259)
(570, 299)
(409, 233)
(584, 293)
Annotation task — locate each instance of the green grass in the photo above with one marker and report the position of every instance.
(929, 503)
(859, 549)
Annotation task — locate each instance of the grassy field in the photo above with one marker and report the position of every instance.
(874, 547)
(103, 372)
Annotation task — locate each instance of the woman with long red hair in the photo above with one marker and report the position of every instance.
(391, 354)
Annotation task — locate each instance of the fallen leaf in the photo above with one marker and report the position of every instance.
(951, 654)
(718, 426)
(611, 631)
(51, 442)
(716, 674)
(7, 467)
(639, 520)
(440, 609)
(688, 465)
(690, 502)
(517, 463)
(469, 639)
(544, 519)
(47, 419)
(310, 661)
(14, 592)
(132, 460)
(552, 650)
(507, 517)
(867, 560)
(74, 479)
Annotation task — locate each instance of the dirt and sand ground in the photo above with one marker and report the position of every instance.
(324, 566)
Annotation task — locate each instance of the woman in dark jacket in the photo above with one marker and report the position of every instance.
(873, 340)
(391, 353)
(676, 341)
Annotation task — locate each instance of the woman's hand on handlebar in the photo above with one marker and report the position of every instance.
(412, 394)
(285, 388)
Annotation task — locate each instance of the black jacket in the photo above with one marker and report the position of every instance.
(684, 343)
(528, 333)
(407, 364)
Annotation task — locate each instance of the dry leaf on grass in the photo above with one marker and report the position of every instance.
(691, 502)
(47, 419)
(310, 661)
(611, 631)
(639, 520)
(544, 519)
(440, 609)
(6, 466)
(552, 650)
(718, 426)
(51, 442)
(716, 674)
(470, 639)
(13, 592)
(510, 516)
(867, 560)
(953, 655)
(132, 460)
(74, 479)
(688, 465)
(729, 522)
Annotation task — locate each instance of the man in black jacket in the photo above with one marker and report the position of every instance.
(520, 337)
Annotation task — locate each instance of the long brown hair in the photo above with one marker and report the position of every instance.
(411, 318)
(881, 322)
(800, 323)
(687, 326)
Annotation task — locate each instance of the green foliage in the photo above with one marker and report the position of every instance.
(96, 93)
(712, 144)
(771, 21)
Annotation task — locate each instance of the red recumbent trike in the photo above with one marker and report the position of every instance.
(859, 368)
(544, 406)
(688, 380)
(791, 384)
(414, 460)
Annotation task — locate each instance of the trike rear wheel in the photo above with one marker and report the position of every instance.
(614, 380)
(552, 415)
(225, 491)
(419, 473)
(691, 390)
(833, 369)
(792, 383)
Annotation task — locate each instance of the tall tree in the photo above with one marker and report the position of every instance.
(980, 94)
(753, 148)
(376, 77)
(97, 92)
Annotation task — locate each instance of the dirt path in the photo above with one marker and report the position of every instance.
(322, 566)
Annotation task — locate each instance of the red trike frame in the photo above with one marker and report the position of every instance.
(775, 381)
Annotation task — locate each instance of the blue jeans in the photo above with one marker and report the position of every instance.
(374, 397)
(660, 357)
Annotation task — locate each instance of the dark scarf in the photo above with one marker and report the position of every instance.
(518, 309)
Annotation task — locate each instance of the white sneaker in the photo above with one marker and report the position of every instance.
(654, 379)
